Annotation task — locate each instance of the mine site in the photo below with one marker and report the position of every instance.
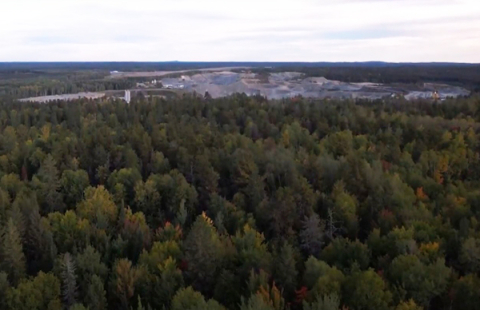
(222, 82)
(292, 84)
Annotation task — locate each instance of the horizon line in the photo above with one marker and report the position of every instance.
(240, 61)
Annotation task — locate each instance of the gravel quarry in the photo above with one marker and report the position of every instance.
(221, 82)
(292, 84)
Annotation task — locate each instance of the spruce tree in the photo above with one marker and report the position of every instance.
(13, 259)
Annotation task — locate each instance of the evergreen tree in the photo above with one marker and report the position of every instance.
(47, 182)
(366, 290)
(203, 253)
(285, 272)
(328, 302)
(311, 236)
(95, 297)
(4, 288)
(69, 281)
(13, 259)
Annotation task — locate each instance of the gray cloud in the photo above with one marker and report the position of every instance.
(209, 30)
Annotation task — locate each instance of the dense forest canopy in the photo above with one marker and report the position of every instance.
(240, 203)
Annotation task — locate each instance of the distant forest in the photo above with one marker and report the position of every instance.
(240, 203)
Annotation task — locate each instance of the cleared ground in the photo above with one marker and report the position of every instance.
(66, 97)
(119, 75)
(155, 92)
(291, 84)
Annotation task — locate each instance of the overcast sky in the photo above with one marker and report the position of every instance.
(246, 30)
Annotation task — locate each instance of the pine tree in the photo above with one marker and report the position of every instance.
(311, 236)
(139, 304)
(328, 302)
(285, 272)
(96, 296)
(69, 280)
(37, 242)
(4, 206)
(47, 182)
(331, 228)
(4, 286)
(256, 302)
(182, 214)
(203, 253)
(13, 259)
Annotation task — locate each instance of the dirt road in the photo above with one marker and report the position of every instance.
(66, 97)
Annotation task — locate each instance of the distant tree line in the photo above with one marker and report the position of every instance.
(459, 75)
(49, 87)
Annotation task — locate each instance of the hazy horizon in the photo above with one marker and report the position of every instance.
(247, 31)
